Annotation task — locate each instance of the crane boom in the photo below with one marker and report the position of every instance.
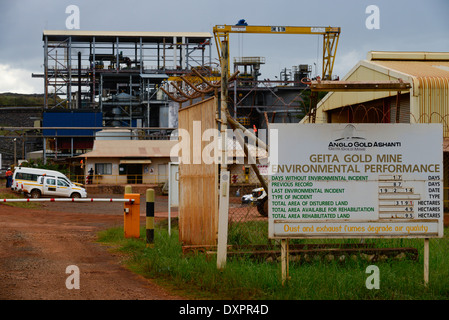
(330, 39)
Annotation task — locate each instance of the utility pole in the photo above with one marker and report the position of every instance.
(15, 153)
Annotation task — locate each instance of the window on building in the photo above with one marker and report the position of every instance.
(103, 168)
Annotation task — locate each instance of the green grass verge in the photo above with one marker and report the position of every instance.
(197, 277)
(28, 205)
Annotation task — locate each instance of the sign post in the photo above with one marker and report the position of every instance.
(426, 261)
(223, 216)
(284, 260)
(173, 190)
(356, 181)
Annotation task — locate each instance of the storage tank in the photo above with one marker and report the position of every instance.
(114, 135)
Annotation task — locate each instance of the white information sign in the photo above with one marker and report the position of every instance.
(355, 180)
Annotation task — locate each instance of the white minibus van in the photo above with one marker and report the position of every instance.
(45, 183)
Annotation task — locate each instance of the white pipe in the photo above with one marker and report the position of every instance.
(175, 57)
(183, 53)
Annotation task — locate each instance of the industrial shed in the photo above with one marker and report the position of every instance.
(427, 100)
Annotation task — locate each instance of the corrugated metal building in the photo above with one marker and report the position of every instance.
(426, 102)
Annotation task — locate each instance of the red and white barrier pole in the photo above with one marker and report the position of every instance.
(68, 200)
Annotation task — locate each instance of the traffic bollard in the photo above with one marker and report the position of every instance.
(150, 218)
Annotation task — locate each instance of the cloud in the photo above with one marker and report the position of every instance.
(346, 61)
(18, 80)
(422, 28)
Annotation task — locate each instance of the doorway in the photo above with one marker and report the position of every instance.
(134, 173)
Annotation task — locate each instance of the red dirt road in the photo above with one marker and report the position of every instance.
(37, 245)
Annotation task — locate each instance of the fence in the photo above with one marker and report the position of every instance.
(248, 223)
(98, 179)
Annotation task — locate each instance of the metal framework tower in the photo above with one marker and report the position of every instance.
(117, 73)
(113, 79)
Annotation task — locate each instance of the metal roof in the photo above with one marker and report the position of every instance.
(124, 36)
(414, 64)
(158, 148)
(417, 69)
(428, 72)
(408, 55)
(130, 149)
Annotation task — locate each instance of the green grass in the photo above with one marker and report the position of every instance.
(197, 277)
(28, 205)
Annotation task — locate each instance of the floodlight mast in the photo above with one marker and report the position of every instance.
(330, 39)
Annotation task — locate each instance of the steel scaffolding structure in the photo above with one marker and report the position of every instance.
(113, 79)
(118, 73)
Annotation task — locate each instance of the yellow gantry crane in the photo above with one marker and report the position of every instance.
(330, 39)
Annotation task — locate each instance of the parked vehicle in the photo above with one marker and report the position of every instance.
(254, 196)
(45, 183)
(258, 197)
(247, 198)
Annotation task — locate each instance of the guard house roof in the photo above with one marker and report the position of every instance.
(157, 149)
(130, 149)
(123, 36)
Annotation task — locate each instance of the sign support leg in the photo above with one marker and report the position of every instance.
(426, 262)
(284, 260)
(223, 220)
(223, 211)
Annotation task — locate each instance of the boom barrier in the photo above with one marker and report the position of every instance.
(69, 200)
(131, 204)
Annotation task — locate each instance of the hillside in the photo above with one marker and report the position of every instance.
(21, 100)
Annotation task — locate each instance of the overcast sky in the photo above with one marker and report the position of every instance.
(404, 25)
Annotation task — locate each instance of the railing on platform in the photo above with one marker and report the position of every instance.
(119, 179)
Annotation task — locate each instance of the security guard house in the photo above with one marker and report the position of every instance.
(119, 162)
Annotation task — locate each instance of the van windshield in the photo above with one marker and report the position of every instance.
(66, 180)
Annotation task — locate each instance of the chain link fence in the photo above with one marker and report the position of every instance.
(248, 209)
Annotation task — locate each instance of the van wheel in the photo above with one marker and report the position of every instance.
(35, 194)
(75, 195)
